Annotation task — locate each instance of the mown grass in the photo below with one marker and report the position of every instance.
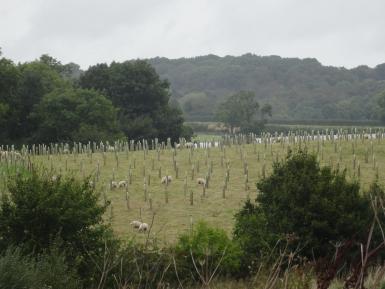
(177, 216)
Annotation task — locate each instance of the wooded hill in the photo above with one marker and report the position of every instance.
(297, 89)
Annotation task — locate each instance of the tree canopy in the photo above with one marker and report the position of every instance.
(75, 115)
(381, 104)
(315, 205)
(240, 110)
(47, 101)
(141, 96)
(297, 89)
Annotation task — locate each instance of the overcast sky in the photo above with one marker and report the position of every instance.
(336, 32)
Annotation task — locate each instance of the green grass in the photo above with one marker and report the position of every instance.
(176, 216)
(207, 137)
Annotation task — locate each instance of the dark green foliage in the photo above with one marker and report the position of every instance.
(37, 79)
(208, 246)
(75, 115)
(41, 101)
(252, 232)
(297, 89)
(142, 98)
(315, 205)
(70, 71)
(169, 124)
(47, 270)
(187, 132)
(23, 88)
(9, 78)
(37, 211)
(381, 104)
(240, 110)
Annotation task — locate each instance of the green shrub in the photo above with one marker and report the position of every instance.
(141, 266)
(37, 211)
(47, 270)
(207, 247)
(313, 205)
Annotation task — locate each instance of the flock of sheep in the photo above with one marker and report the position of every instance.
(120, 184)
(168, 179)
(143, 227)
(140, 226)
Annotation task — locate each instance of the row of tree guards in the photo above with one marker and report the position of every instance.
(225, 140)
(261, 146)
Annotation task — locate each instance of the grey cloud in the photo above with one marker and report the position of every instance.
(336, 32)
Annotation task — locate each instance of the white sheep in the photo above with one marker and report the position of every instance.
(114, 185)
(54, 178)
(122, 184)
(136, 224)
(201, 181)
(143, 227)
(166, 179)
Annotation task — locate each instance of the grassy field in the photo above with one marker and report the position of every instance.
(170, 207)
(215, 128)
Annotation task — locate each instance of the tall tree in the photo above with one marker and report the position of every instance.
(239, 110)
(75, 115)
(141, 96)
(381, 104)
(36, 80)
(266, 111)
(9, 80)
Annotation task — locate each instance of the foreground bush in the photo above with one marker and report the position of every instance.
(47, 270)
(303, 204)
(212, 251)
(38, 210)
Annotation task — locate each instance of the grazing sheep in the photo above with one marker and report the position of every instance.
(201, 181)
(136, 224)
(143, 227)
(122, 184)
(114, 185)
(166, 179)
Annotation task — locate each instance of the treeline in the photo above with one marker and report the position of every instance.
(297, 89)
(47, 101)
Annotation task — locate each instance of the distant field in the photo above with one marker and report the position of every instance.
(210, 128)
(217, 208)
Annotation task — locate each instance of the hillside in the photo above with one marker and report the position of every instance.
(298, 89)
